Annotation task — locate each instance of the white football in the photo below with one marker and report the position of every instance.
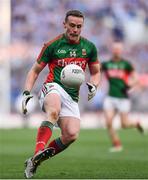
(72, 76)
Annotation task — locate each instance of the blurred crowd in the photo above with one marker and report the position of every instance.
(35, 22)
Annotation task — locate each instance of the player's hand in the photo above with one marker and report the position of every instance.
(92, 90)
(26, 97)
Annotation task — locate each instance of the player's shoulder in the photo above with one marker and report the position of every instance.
(85, 40)
(126, 61)
(127, 64)
(107, 61)
(105, 64)
(54, 40)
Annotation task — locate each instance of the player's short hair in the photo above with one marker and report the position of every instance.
(75, 13)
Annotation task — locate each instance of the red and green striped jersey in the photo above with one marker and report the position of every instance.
(117, 73)
(59, 52)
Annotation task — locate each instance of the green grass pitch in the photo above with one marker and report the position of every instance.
(87, 158)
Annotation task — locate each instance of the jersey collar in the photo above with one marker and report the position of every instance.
(70, 42)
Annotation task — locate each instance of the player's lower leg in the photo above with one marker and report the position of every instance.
(139, 127)
(58, 145)
(116, 143)
(133, 124)
(44, 134)
(129, 123)
(55, 147)
(32, 163)
(116, 146)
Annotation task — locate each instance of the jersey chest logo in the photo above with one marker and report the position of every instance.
(84, 52)
(61, 51)
(73, 53)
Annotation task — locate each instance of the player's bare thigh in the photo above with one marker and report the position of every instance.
(70, 128)
(124, 110)
(52, 106)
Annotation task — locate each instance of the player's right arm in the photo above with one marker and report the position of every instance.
(30, 81)
(133, 79)
(38, 66)
(32, 76)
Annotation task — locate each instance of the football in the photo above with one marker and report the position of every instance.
(72, 76)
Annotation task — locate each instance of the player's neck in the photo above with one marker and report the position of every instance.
(72, 41)
(116, 58)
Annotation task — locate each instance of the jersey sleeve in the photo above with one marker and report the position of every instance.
(44, 56)
(93, 56)
(103, 67)
(129, 67)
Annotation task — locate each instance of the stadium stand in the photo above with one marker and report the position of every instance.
(35, 22)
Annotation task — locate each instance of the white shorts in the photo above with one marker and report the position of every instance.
(119, 104)
(68, 106)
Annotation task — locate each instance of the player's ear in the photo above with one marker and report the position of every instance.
(64, 24)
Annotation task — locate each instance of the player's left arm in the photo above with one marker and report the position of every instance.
(95, 74)
(94, 69)
(94, 66)
(94, 80)
(133, 79)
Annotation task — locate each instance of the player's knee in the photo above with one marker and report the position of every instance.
(124, 124)
(71, 137)
(109, 125)
(53, 114)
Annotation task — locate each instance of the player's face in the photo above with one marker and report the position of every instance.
(117, 50)
(73, 27)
